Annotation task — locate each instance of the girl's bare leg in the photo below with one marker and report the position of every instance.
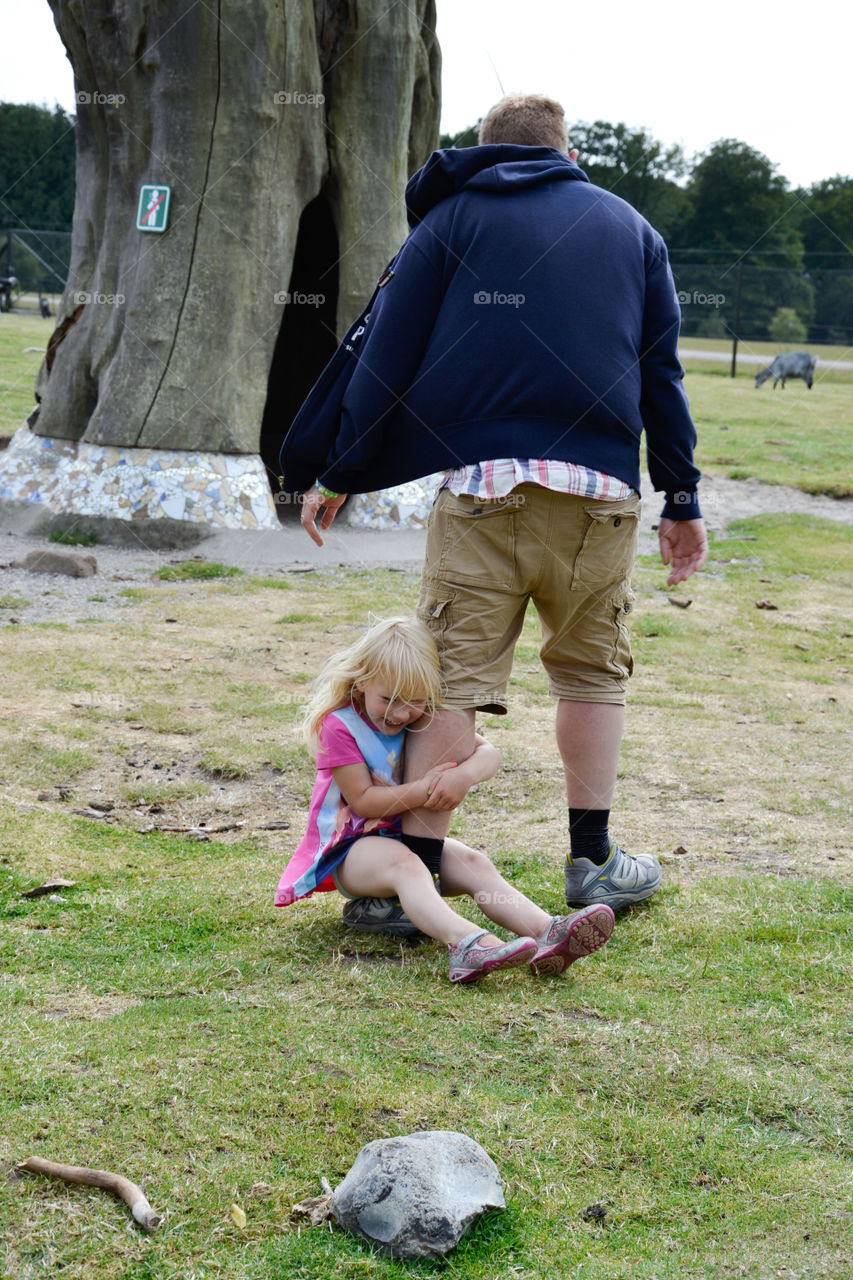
(466, 870)
(377, 867)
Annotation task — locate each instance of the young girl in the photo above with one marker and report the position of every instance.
(366, 699)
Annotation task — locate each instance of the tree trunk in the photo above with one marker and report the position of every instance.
(286, 133)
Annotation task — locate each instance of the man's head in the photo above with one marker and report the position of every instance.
(528, 120)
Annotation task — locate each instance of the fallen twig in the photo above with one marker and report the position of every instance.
(315, 1208)
(195, 829)
(129, 1192)
(50, 886)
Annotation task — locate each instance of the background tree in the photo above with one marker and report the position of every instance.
(36, 167)
(465, 138)
(825, 219)
(786, 326)
(740, 213)
(826, 225)
(738, 204)
(36, 195)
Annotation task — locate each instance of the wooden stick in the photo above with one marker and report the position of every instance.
(129, 1192)
(199, 831)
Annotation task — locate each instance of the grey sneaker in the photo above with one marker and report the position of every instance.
(623, 880)
(379, 915)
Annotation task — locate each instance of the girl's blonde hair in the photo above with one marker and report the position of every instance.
(398, 651)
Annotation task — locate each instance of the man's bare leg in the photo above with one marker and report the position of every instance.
(448, 735)
(589, 736)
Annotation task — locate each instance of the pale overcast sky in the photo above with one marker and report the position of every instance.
(775, 77)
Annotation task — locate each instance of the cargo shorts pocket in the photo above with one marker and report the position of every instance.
(433, 609)
(621, 660)
(477, 540)
(608, 546)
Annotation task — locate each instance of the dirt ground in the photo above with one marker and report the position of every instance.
(60, 599)
(167, 782)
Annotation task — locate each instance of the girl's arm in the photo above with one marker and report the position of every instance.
(371, 799)
(483, 762)
(449, 789)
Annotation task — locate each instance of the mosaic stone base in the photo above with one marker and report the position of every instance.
(226, 490)
(406, 506)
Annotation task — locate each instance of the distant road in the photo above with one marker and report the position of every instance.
(725, 357)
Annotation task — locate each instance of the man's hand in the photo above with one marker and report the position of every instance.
(312, 501)
(684, 545)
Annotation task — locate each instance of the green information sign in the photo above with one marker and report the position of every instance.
(153, 211)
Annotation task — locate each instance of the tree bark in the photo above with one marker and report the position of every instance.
(249, 110)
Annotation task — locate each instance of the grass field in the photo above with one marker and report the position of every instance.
(797, 437)
(19, 367)
(160, 1018)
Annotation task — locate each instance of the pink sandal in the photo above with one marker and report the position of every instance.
(569, 938)
(468, 961)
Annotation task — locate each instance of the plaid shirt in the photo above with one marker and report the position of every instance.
(498, 477)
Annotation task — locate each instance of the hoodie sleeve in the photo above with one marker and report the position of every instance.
(399, 330)
(670, 433)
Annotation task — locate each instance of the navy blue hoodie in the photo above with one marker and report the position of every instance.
(530, 314)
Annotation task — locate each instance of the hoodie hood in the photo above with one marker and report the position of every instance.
(498, 167)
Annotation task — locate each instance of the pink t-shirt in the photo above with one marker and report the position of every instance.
(346, 737)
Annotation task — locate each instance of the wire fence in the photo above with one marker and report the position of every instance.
(757, 303)
(718, 299)
(36, 261)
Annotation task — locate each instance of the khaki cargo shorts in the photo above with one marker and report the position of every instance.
(486, 559)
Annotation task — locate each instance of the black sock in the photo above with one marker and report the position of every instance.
(428, 849)
(589, 835)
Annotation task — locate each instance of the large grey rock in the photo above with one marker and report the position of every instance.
(416, 1196)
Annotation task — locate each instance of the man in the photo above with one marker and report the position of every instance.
(524, 339)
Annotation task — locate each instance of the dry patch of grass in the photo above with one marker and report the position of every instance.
(161, 1018)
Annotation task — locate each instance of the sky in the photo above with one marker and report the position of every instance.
(774, 77)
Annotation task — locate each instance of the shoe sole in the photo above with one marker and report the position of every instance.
(615, 901)
(591, 930)
(507, 962)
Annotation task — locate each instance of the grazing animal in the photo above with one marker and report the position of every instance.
(792, 364)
